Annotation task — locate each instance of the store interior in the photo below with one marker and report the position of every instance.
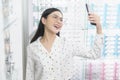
(20, 18)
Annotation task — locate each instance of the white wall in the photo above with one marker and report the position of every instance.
(25, 25)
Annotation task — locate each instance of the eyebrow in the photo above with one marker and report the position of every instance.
(57, 16)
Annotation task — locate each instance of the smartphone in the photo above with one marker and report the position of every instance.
(87, 8)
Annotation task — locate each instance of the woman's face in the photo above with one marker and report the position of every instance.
(54, 22)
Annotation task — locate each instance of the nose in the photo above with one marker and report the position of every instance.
(59, 21)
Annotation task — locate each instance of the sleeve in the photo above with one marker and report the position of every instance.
(91, 53)
(30, 65)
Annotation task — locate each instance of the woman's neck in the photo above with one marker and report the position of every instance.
(47, 40)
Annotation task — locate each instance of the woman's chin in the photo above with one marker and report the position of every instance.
(56, 31)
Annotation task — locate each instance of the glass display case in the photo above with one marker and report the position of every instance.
(12, 39)
(2, 56)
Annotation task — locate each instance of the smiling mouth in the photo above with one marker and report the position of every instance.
(57, 27)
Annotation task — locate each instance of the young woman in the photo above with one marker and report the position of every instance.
(49, 56)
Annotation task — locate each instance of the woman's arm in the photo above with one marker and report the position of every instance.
(90, 52)
(95, 51)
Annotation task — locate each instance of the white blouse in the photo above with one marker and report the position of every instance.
(58, 64)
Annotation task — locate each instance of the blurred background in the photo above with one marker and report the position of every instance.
(19, 19)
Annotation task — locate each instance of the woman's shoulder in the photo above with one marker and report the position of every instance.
(33, 45)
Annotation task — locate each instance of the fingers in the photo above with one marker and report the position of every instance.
(93, 18)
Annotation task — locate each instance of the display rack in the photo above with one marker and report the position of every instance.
(12, 36)
(79, 30)
(2, 56)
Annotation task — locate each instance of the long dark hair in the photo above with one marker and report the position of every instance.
(40, 30)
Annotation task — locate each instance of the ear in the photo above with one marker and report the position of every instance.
(43, 20)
